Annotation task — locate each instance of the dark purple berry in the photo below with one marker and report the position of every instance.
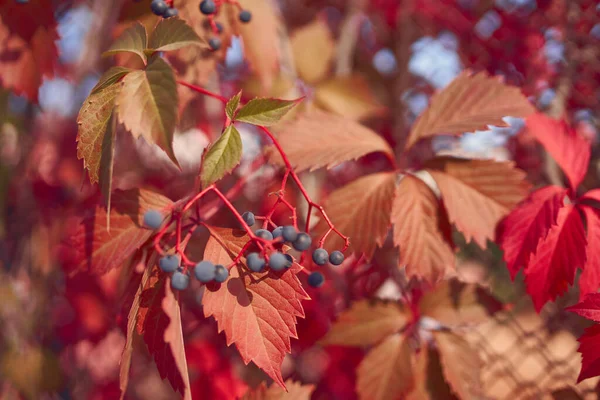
(159, 7)
(219, 27)
(263, 233)
(180, 281)
(245, 16)
(171, 12)
(153, 219)
(336, 257)
(277, 232)
(302, 242)
(248, 218)
(289, 233)
(208, 7)
(277, 261)
(316, 279)
(221, 273)
(320, 256)
(169, 263)
(290, 261)
(214, 43)
(255, 262)
(205, 271)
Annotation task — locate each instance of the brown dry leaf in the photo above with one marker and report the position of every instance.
(419, 221)
(349, 96)
(361, 210)
(461, 365)
(429, 378)
(313, 48)
(386, 372)
(319, 139)
(366, 323)
(295, 391)
(478, 193)
(469, 103)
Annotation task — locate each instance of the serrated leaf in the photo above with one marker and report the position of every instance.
(588, 307)
(264, 111)
(478, 193)
(107, 158)
(430, 383)
(172, 34)
(257, 311)
(461, 365)
(148, 104)
(455, 303)
(88, 246)
(589, 280)
(386, 371)
(590, 356)
(469, 103)
(159, 323)
(110, 77)
(295, 391)
(366, 323)
(312, 66)
(232, 105)
(222, 157)
(522, 229)
(320, 139)
(361, 210)
(419, 221)
(133, 40)
(552, 266)
(570, 150)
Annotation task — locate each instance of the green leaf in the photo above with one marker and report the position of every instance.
(222, 156)
(133, 40)
(264, 112)
(233, 104)
(110, 77)
(148, 104)
(172, 34)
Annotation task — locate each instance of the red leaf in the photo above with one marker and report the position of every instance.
(27, 45)
(257, 311)
(295, 391)
(588, 347)
(588, 307)
(90, 247)
(520, 232)
(589, 280)
(552, 266)
(159, 323)
(570, 150)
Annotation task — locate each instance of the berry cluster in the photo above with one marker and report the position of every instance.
(163, 8)
(210, 9)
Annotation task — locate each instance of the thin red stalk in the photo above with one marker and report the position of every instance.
(203, 91)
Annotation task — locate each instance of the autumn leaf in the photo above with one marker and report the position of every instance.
(588, 307)
(361, 210)
(460, 363)
(133, 40)
(478, 193)
(470, 102)
(222, 156)
(589, 280)
(430, 383)
(386, 371)
(172, 34)
(295, 391)
(312, 66)
(522, 229)
(110, 78)
(349, 96)
(590, 357)
(552, 266)
(232, 105)
(148, 102)
(366, 323)
(159, 323)
(418, 220)
(454, 303)
(28, 50)
(264, 111)
(570, 150)
(258, 311)
(90, 247)
(320, 139)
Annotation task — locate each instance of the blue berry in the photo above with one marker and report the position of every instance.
(171, 12)
(205, 271)
(219, 27)
(208, 7)
(248, 218)
(302, 242)
(278, 261)
(153, 219)
(320, 256)
(169, 263)
(180, 281)
(290, 261)
(245, 16)
(255, 262)
(214, 43)
(221, 273)
(159, 7)
(277, 232)
(289, 233)
(336, 257)
(316, 279)
(22, 1)
(263, 233)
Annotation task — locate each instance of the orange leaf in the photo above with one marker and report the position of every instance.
(313, 65)
(295, 391)
(418, 221)
(366, 323)
(258, 312)
(386, 372)
(469, 103)
(319, 139)
(361, 210)
(430, 383)
(478, 193)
